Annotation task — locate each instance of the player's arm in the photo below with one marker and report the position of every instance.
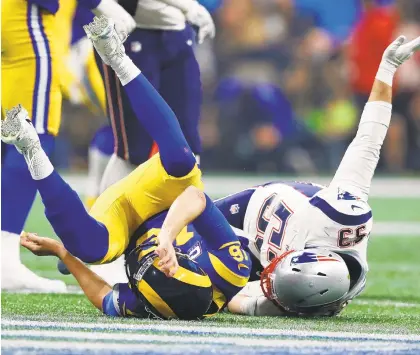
(252, 302)
(187, 207)
(92, 285)
(356, 170)
(194, 206)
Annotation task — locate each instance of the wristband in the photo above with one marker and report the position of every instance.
(386, 73)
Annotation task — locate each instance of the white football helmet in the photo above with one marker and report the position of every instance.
(307, 282)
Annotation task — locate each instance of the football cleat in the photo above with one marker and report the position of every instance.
(101, 31)
(24, 280)
(16, 277)
(17, 129)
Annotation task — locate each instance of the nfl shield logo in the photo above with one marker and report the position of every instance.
(234, 209)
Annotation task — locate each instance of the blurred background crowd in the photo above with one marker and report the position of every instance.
(284, 84)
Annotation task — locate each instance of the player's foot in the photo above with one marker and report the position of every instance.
(105, 39)
(16, 277)
(17, 129)
(21, 279)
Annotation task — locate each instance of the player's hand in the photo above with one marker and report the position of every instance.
(200, 17)
(399, 51)
(41, 246)
(124, 22)
(396, 54)
(166, 252)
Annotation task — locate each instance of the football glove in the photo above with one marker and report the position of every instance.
(198, 15)
(396, 54)
(124, 22)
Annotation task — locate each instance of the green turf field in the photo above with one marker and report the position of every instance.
(387, 314)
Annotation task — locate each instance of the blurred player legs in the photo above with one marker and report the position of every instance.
(100, 151)
(29, 71)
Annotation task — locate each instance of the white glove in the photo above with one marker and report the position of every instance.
(124, 22)
(396, 54)
(200, 17)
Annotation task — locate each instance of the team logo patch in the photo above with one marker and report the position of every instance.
(311, 258)
(136, 46)
(344, 195)
(234, 209)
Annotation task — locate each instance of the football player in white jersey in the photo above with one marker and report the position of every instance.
(312, 240)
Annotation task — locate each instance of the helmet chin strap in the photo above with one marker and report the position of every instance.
(266, 281)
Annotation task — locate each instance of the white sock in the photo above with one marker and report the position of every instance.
(38, 162)
(126, 70)
(116, 170)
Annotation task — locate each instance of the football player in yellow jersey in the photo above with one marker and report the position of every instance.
(31, 76)
(125, 218)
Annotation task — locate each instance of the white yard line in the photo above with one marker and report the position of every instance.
(196, 340)
(172, 327)
(219, 185)
(402, 229)
(386, 303)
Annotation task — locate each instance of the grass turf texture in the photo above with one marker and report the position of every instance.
(394, 276)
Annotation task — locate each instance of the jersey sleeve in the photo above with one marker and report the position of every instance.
(120, 302)
(233, 207)
(358, 165)
(213, 227)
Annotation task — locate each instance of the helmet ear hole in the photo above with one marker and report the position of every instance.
(321, 274)
(296, 270)
(323, 291)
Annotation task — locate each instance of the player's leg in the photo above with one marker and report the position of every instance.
(100, 151)
(118, 167)
(81, 234)
(133, 143)
(155, 184)
(186, 100)
(151, 110)
(18, 192)
(29, 76)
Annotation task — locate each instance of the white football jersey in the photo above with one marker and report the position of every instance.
(155, 14)
(293, 216)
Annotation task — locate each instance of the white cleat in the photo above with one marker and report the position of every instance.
(105, 39)
(21, 279)
(16, 277)
(17, 129)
